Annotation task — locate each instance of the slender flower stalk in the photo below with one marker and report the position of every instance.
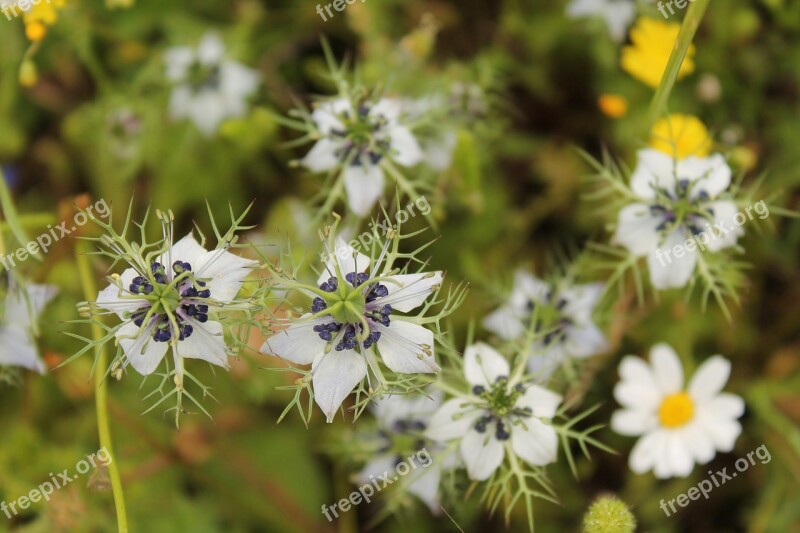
(101, 387)
(690, 24)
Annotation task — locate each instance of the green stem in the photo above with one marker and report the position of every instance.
(101, 387)
(690, 24)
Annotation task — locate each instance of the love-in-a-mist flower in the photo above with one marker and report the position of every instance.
(355, 316)
(499, 415)
(559, 316)
(209, 87)
(23, 306)
(357, 139)
(617, 14)
(682, 204)
(678, 426)
(402, 421)
(170, 302)
(652, 43)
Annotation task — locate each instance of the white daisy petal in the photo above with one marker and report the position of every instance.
(646, 451)
(723, 432)
(452, 420)
(335, 375)
(482, 454)
(667, 368)
(701, 446)
(409, 291)
(710, 378)
(633, 422)
(680, 458)
(535, 442)
(638, 388)
(483, 365)
(407, 348)
(364, 186)
(723, 405)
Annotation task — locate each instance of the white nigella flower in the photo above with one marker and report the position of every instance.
(169, 302)
(23, 306)
(500, 415)
(679, 427)
(354, 318)
(563, 316)
(358, 141)
(680, 205)
(618, 14)
(405, 419)
(209, 88)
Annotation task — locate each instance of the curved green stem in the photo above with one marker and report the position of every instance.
(101, 387)
(690, 24)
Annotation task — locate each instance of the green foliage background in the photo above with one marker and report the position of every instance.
(513, 197)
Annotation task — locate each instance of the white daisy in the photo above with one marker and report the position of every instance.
(209, 88)
(563, 316)
(680, 205)
(358, 141)
(679, 427)
(168, 303)
(617, 14)
(407, 417)
(498, 416)
(23, 306)
(354, 317)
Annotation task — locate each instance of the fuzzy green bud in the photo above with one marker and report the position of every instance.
(609, 514)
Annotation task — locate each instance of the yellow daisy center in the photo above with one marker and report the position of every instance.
(676, 410)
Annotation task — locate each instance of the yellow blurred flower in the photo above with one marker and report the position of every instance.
(646, 59)
(681, 136)
(40, 17)
(613, 105)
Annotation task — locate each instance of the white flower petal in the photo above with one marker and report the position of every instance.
(348, 259)
(407, 348)
(25, 303)
(638, 388)
(584, 340)
(633, 422)
(409, 291)
(142, 352)
(581, 300)
(335, 375)
(326, 115)
(211, 50)
(504, 323)
(544, 403)
(536, 443)
(452, 420)
(636, 229)
(298, 343)
(668, 271)
(710, 174)
(530, 287)
(17, 348)
(322, 156)
(388, 108)
(206, 342)
(646, 452)
(237, 83)
(112, 298)
(723, 406)
(380, 466)
(425, 486)
(710, 378)
(482, 453)
(187, 249)
(544, 361)
(364, 186)
(701, 446)
(178, 60)
(654, 170)
(725, 231)
(483, 365)
(667, 368)
(723, 432)
(404, 147)
(225, 273)
(679, 456)
(396, 407)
